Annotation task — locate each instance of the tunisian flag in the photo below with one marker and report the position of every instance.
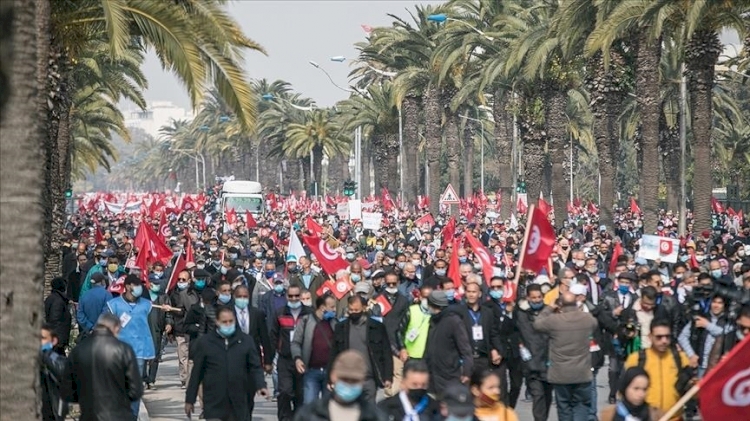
(330, 259)
(634, 206)
(540, 240)
(724, 391)
(484, 256)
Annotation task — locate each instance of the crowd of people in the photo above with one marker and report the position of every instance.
(419, 321)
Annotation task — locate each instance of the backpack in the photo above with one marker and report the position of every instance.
(685, 375)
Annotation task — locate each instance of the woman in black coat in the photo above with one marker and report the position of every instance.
(57, 313)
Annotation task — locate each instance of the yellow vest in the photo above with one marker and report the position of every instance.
(418, 322)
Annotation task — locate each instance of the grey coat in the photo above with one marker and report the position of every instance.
(303, 334)
(570, 334)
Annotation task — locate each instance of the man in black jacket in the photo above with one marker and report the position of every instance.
(448, 353)
(510, 358)
(413, 402)
(534, 349)
(227, 363)
(54, 407)
(481, 330)
(103, 374)
(183, 298)
(57, 313)
(399, 305)
(370, 338)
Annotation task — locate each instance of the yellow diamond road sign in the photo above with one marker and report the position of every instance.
(449, 196)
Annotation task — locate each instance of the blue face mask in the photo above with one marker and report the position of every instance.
(536, 306)
(47, 346)
(241, 303)
(440, 272)
(226, 331)
(623, 289)
(684, 258)
(450, 294)
(716, 273)
(137, 291)
(355, 277)
(224, 298)
(269, 274)
(462, 259)
(455, 418)
(347, 392)
(496, 294)
(103, 262)
(200, 284)
(278, 288)
(182, 285)
(329, 314)
(294, 304)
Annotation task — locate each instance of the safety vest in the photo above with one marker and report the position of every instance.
(419, 324)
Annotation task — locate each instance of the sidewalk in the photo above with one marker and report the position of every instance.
(167, 401)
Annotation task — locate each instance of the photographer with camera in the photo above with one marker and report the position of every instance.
(698, 336)
(614, 303)
(727, 341)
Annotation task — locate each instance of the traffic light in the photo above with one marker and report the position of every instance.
(68, 193)
(520, 186)
(350, 188)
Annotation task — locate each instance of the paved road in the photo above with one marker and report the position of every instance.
(166, 403)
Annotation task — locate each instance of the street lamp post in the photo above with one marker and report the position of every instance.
(191, 154)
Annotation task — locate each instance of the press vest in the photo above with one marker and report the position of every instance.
(419, 322)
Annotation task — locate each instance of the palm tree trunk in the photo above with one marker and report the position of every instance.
(606, 102)
(6, 50)
(469, 131)
(21, 213)
(305, 163)
(669, 145)
(392, 181)
(453, 150)
(433, 138)
(367, 151)
(555, 121)
(701, 55)
(317, 152)
(292, 175)
(410, 113)
(647, 91)
(534, 156)
(503, 150)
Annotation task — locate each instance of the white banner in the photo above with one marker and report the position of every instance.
(371, 220)
(342, 210)
(134, 207)
(654, 247)
(355, 209)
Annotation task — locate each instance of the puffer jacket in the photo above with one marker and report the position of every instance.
(103, 377)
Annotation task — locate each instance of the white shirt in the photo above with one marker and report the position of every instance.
(243, 319)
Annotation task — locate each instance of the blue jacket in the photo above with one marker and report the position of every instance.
(136, 331)
(86, 284)
(92, 306)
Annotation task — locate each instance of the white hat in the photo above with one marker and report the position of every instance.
(578, 289)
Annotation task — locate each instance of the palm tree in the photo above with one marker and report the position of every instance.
(378, 115)
(319, 135)
(21, 214)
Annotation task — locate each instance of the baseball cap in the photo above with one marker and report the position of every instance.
(291, 258)
(350, 365)
(438, 299)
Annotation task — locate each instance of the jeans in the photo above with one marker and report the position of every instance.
(594, 396)
(573, 401)
(315, 382)
(136, 405)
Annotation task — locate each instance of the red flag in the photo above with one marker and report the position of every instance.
(498, 200)
(249, 220)
(385, 305)
(616, 252)
(724, 390)
(425, 219)
(740, 216)
(330, 259)
(592, 208)
(716, 205)
(388, 203)
(544, 206)
(484, 256)
(313, 226)
(189, 255)
(634, 206)
(98, 236)
(150, 248)
(453, 272)
(521, 206)
(325, 288)
(510, 291)
(179, 266)
(231, 216)
(164, 231)
(449, 230)
(341, 287)
(540, 242)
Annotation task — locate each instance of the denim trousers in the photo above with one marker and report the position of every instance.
(573, 401)
(136, 405)
(315, 381)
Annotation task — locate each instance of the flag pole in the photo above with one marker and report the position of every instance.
(680, 403)
(529, 214)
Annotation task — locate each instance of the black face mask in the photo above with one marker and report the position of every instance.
(416, 395)
(355, 317)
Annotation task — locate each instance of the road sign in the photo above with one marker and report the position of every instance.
(449, 196)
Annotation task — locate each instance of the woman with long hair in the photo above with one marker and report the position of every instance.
(485, 386)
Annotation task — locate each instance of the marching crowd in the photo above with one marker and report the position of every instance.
(414, 313)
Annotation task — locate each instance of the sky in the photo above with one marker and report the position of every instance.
(293, 33)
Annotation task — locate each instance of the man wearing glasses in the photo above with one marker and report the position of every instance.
(664, 365)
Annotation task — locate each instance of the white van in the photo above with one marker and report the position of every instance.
(242, 196)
